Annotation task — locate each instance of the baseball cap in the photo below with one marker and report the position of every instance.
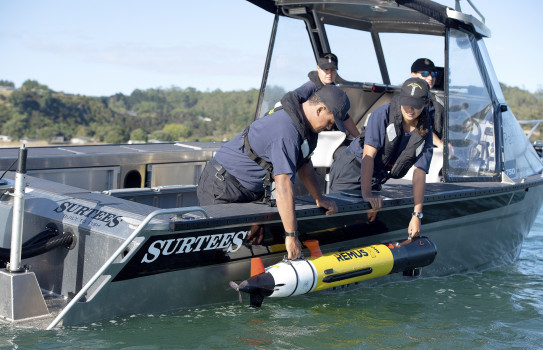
(415, 92)
(327, 61)
(337, 102)
(422, 64)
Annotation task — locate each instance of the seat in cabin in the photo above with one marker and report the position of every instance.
(329, 141)
(323, 156)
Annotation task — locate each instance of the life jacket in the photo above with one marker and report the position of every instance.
(439, 107)
(388, 163)
(314, 77)
(291, 104)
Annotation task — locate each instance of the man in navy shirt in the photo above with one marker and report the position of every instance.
(276, 148)
(326, 74)
(398, 135)
(425, 69)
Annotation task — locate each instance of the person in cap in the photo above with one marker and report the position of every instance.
(326, 73)
(425, 69)
(397, 136)
(276, 147)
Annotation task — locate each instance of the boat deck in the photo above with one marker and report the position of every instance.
(396, 193)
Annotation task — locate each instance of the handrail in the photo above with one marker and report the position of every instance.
(459, 9)
(118, 252)
(476, 10)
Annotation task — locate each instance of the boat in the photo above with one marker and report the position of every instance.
(96, 232)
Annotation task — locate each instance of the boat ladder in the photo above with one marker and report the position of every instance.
(118, 252)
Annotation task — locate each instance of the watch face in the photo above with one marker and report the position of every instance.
(419, 215)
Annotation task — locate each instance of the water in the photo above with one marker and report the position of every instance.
(495, 309)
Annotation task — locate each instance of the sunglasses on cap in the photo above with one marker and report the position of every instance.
(427, 73)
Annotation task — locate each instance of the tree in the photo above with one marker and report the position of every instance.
(24, 101)
(16, 126)
(177, 131)
(47, 133)
(138, 135)
(33, 85)
(7, 83)
(115, 135)
(83, 131)
(161, 135)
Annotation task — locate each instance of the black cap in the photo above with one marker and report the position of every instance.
(337, 102)
(415, 92)
(423, 64)
(327, 61)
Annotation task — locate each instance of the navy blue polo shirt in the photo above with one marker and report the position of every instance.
(275, 139)
(305, 91)
(376, 133)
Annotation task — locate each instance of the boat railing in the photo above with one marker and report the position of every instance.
(119, 251)
(457, 5)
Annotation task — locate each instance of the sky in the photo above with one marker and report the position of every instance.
(104, 47)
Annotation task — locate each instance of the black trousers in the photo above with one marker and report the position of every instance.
(217, 186)
(345, 172)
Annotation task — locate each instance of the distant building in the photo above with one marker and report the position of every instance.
(79, 140)
(6, 138)
(131, 142)
(57, 139)
(204, 119)
(157, 141)
(28, 139)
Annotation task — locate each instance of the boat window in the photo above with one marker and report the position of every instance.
(520, 158)
(357, 61)
(410, 47)
(291, 61)
(470, 115)
(491, 73)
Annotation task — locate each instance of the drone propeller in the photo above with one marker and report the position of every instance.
(237, 287)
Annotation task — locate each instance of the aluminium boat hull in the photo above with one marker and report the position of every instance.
(185, 263)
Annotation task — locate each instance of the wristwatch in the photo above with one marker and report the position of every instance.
(419, 215)
(291, 234)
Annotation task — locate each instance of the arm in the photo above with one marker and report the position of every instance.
(437, 141)
(366, 173)
(350, 126)
(284, 196)
(305, 91)
(307, 175)
(419, 182)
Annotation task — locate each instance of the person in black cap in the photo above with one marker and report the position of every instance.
(276, 147)
(326, 73)
(398, 135)
(425, 69)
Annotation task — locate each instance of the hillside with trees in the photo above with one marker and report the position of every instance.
(37, 112)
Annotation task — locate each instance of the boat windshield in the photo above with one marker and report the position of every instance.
(470, 115)
(292, 59)
(473, 103)
(474, 116)
(520, 158)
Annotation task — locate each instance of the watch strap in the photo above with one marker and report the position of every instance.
(291, 234)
